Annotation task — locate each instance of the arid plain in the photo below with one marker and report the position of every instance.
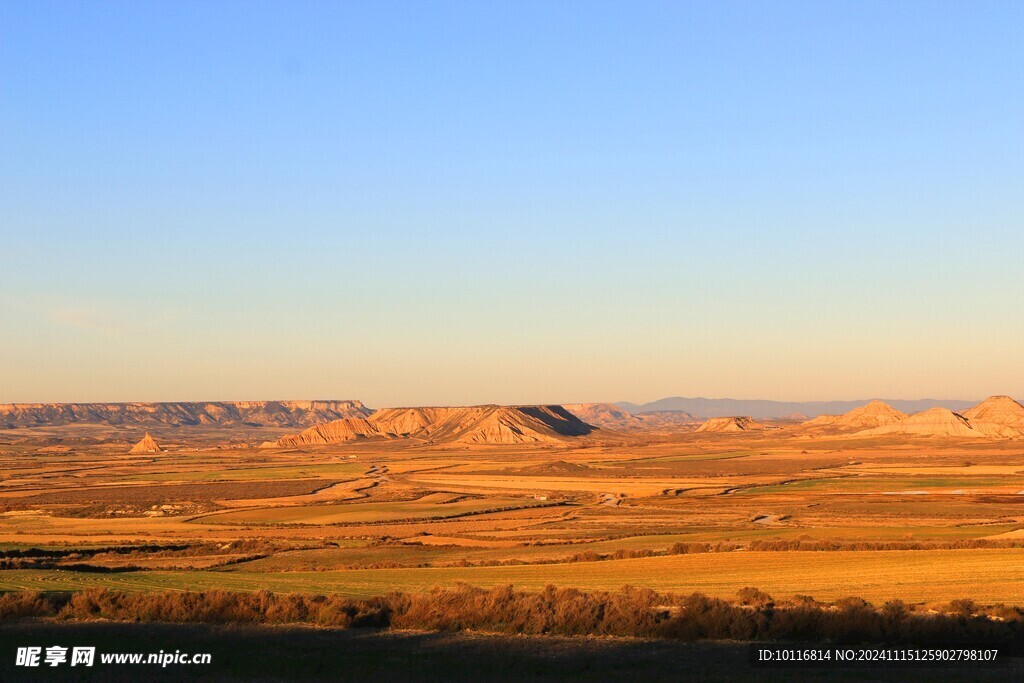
(333, 498)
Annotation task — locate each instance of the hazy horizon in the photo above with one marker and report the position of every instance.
(641, 403)
(463, 203)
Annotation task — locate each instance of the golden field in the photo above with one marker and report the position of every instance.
(925, 520)
(927, 576)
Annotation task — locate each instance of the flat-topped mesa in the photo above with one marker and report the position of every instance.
(604, 415)
(147, 445)
(487, 424)
(997, 416)
(933, 422)
(730, 424)
(873, 414)
(253, 413)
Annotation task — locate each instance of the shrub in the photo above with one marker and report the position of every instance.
(638, 612)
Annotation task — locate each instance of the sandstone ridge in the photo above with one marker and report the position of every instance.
(730, 424)
(995, 417)
(874, 414)
(487, 424)
(933, 422)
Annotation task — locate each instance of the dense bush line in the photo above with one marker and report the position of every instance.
(558, 611)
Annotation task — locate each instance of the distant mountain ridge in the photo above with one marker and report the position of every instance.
(185, 413)
(764, 409)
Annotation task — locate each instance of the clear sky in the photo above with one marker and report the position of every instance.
(462, 202)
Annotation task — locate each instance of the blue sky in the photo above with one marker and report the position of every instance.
(415, 202)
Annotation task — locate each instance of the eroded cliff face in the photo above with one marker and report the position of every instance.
(147, 445)
(730, 424)
(874, 414)
(997, 416)
(257, 413)
(490, 424)
(605, 416)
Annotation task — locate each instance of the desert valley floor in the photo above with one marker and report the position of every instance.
(792, 510)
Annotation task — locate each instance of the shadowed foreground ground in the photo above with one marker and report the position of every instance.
(307, 654)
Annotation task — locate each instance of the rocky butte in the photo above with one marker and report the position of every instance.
(147, 445)
(875, 414)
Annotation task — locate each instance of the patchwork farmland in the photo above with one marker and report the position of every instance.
(793, 510)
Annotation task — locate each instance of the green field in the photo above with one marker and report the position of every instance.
(985, 575)
(413, 554)
(366, 512)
